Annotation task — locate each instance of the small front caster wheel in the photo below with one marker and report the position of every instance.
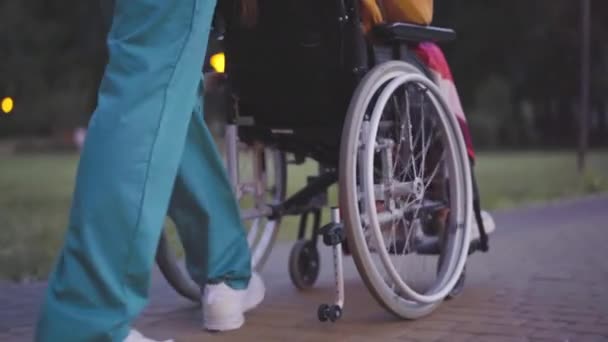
(323, 312)
(335, 313)
(304, 264)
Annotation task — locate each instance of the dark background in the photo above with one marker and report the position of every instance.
(516, 65)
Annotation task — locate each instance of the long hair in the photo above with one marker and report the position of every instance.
(249, 13)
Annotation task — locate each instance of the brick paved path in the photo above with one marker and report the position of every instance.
(545, 279)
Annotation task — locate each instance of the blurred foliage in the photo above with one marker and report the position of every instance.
(516, 64)
(517, 67)
(52, 55)
(37, 189)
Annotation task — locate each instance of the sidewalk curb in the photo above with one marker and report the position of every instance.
(551, 204)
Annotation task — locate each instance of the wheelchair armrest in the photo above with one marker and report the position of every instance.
(412, 33)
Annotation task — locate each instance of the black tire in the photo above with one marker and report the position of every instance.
(323, 312)
(459, 287)
(304, 265)
(179, 280)
(335, 313)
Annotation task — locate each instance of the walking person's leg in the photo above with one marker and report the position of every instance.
(207, 216)
(127, 169)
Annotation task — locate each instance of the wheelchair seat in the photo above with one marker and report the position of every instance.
(411, 33)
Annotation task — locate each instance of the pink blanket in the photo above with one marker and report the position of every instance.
(434, 58)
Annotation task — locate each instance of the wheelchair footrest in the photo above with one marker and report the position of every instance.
(478, 245)
(432, 247)
(333, 235)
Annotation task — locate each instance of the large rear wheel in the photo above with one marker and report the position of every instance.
(405, 189)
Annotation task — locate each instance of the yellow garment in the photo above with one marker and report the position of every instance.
(412, 11)
(370, 14)
(249, 13)
(374, 12)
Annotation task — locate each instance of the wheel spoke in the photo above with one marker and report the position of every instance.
(400, 138)
(412, 160)
(412, 142)
(422, 164)
(429, 179)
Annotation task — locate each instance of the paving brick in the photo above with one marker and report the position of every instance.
(485, 328)
(435, 324)
(473, 313)
(457, 337)
(497, 338)
(588, 329)
(590, 338)
(553, 334)
(545, 325)
(424, 335)
(523, 290)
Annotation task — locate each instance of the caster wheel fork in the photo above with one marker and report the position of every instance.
(333, 235)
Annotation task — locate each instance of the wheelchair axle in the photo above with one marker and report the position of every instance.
(333, 235)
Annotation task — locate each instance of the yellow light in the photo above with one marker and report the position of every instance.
(218, 62)
(7, 105)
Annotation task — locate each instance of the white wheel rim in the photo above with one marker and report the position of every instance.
(446, 281)
(261, 236)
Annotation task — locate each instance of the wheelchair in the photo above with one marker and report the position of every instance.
(307, 83)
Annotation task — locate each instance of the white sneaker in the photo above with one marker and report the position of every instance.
(224, 307)
(488, 224)
(136, 336)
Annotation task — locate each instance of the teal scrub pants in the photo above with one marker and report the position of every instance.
(147, 153)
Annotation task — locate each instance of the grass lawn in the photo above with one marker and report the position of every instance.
(35, 193)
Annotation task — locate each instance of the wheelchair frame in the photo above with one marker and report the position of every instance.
(393, 40)
(392, 43)
(357, 54)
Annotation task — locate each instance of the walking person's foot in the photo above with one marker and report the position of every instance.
(224, 307)
(136, 336)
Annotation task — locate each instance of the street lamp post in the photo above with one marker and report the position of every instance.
(585, 65)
